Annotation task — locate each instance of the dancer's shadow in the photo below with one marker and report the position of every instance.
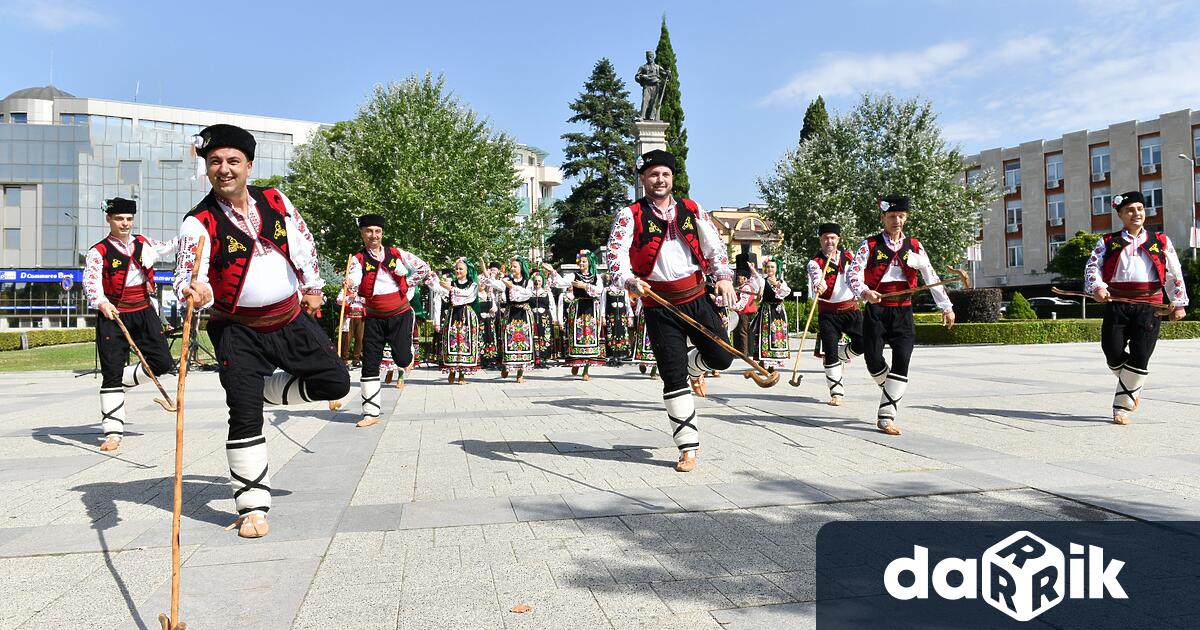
(85, 440)
(101, 498)
(590, 404)
(990, 415)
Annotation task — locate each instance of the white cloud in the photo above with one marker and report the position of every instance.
(1029, 48)
(843, 74)
(52, 15)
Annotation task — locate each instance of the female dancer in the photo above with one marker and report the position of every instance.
(545, 319)
(517, 330)
(769, 330)
(617, 319)
(643, 354)
(488, 326)
(459, 351)
(583, 314)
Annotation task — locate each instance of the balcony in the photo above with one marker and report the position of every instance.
(1099, 176)
(1056, 221)
(1053, 183)
(1149, 169)
(1013, 228)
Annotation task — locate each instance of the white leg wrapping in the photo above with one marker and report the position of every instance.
(1129, 386)
(695, 364)
(833, 378)
(282, 388)
(248, 473)
(889, 401)
(133, 375)
(370, 396)
(845, 353)
(112, 411)
(881, 376)
(681, 411)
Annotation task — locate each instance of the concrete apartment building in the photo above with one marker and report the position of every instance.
(1055, 188)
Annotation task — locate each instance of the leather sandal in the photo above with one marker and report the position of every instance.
(253, 525)
(367, 421)
(111, 443)
(888, 427)
(687, 461)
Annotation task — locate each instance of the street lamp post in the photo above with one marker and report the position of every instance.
(74, 255)
(1192, 210)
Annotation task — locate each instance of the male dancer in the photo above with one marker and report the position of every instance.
(117, 280)
(1138, 265)
(666, 244)
(837, 309)
(380, 276)
(887, 262)
(258, 260)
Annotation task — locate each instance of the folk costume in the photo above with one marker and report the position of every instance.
(1143, 268)
(121, 273)
(671, 249)
(545, 320)
(381, 277)
(885, 265)
(516, 331)
(257, 264)
(838, 313)
(352, 328)
(489, 323)
(460, 338)
(769, 328)
(745, 306)
(617, 316)
(643, 352)
(583, 316)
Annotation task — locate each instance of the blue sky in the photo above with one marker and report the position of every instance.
(997, 73)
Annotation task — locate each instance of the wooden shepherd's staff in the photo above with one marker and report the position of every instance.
(172, 622)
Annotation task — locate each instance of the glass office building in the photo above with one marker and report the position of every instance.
(62, 156)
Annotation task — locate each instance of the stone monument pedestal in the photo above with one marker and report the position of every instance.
(648, 135)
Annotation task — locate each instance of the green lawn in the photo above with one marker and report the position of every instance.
(72, 356)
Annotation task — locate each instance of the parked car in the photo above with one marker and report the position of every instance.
(1051, 302)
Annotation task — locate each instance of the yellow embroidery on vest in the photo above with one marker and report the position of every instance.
(1154, 248)
(392, 263)
(116, 263)
(652, 228)
(234, 245)
(905, 257)
(880, 256)
(279, 231)
(370, 267)
(687, 224)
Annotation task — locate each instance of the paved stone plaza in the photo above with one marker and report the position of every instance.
(558, 494)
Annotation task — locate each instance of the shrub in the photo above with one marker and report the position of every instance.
(1037, 331)
(975, 305)
(1019, 308)
(10, 341)
(58, 336)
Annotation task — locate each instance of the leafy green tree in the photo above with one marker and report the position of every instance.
(672, 110)
(601, 159)
(884, 145)
(416, 155)
(1072, 257)
(1019, 308)
(816, 119)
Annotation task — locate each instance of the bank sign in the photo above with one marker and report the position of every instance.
(1008, 575)
(58, 275)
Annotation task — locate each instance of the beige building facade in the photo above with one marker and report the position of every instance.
(1052, 189)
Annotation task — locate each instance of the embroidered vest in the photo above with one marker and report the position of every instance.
(1155, 247)
(115, 269)
(231, 250)
(649, 232)
(880, 257)
(844, 258)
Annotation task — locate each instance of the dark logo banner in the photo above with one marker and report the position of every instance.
(1015, 574)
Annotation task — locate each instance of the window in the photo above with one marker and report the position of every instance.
(130, 173)
(12, 196)
(1054, 170)
(1152, 191)
(1012, 176)
(73, 119)
(1101, 200)
(1195, 188)
(1016, 253)
(1056, 242)
(19, 118)
(1, 118)
(1101, 166)
(1012, 213)
(12, 238)
(1151, 149)
(974, 175)
(523, 191)
(1056, 208)
(1196, 143)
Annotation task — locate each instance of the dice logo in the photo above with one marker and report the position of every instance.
(1023, 576)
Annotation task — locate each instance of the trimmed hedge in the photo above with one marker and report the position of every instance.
(58, 336)
(1037, 331)
(976, 305)
(10, 341)
(1019, 308)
